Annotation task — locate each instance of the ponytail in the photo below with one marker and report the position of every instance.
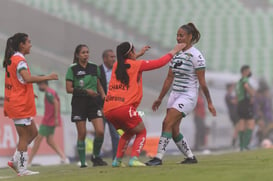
(123, 50)
(12, 46)
(8, 52)
(190, 28)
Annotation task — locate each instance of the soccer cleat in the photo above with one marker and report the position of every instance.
(133, 162)
(118, 163)
(97, 161)
(27, 172)
(154, 162)
(13, 166)
(188, 160)
(83, 166)
(65, 161)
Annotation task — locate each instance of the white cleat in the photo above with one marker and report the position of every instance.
(27, 172)
(65, 162)
(13, 166)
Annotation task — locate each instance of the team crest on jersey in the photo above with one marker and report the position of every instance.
(99, 113)
(178, 64)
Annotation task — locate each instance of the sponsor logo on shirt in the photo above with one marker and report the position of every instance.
(81, 72)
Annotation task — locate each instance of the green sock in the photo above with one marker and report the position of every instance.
(247, 137)
(166, 135)
(97, 146)
(81, 151)
(241, 139)
(178, 138)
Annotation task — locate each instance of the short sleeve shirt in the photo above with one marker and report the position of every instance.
(81, 77)
(184, 66)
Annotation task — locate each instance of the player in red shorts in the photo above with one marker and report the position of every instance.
(124, 95)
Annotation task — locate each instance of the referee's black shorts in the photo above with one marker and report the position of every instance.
(85, 107)
(245, 109)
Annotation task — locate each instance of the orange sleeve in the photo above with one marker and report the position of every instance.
(154, 64)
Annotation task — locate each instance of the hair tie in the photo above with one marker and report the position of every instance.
(131, 45)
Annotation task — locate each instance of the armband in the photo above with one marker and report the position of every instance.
(79, 92)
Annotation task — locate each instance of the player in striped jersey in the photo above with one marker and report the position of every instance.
(186, 72)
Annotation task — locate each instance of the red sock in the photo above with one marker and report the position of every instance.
(123, 144)
(139, 143)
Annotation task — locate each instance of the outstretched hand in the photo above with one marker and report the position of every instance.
(53, 76)
(143, 51)
(180, 46)
(177, 48)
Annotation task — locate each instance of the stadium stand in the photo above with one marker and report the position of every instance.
(232, 34)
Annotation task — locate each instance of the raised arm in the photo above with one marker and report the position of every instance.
(202, 81)
(142, 51)
(154, 64)
(166, 86)
(35, 79)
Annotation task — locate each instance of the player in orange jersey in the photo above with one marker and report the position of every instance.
(124, 95)
(19, 104)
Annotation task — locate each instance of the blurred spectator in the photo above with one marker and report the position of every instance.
(51, 119)
(231, 102)
(263, 110)
(109, 59)
(1, 101)
(199, 121)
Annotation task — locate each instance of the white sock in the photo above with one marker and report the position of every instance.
(14, 156)
(21, 158)
(184, 147)
(161, 150)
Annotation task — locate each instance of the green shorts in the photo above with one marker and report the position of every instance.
(46, 130)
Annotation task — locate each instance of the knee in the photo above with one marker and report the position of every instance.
(33, 135)
(81, 135)
(100, 133)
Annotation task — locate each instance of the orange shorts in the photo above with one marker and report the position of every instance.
(125, 117)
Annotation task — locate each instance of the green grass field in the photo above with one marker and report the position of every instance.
(248, 166)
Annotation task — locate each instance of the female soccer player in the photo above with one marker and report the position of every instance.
(186, 72)
(124, 96)
(82, 80)
(19, 104)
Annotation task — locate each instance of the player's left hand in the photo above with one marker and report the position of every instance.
(212, 109)
(143, 50)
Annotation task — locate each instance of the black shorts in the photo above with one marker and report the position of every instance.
(85, 107)
(245, 110)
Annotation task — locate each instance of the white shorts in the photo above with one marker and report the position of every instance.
(184, 102)
(23, 121)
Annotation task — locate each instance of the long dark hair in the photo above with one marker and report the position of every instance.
(77, 51)
(12, 46)
(123, 50)
(190, 28)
